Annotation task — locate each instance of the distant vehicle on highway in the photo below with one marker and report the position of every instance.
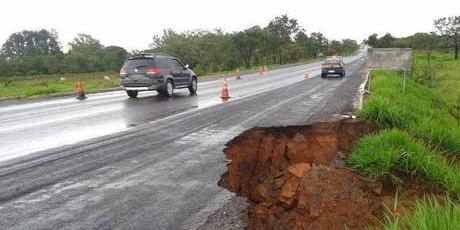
(333, 66)
(162, 73)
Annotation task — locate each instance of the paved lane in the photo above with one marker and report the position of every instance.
(163, 174)
(38, 126)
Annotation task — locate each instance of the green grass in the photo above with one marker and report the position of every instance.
(50, 84)
(419, 132)
(421, 111)
(393, 153)
(447, 78)
(428, 214)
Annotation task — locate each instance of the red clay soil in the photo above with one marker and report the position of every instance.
(294, 177)
(407, 195)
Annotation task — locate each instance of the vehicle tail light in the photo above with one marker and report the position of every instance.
(153, 71)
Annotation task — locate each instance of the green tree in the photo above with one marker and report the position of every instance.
(205, 51)
(349, 46)
(283, 29)
(29, 43)
(319, 43)
(85, 54)
(335, 47)
(283, 40)
(247, 42)
(293, 52)
(424, 41)
(372, 40)
(308, 44)
(5, 68)
(449, 27)
(85, 43)
(52, 64)
(113, 58)
(176, 44)
(387, 41)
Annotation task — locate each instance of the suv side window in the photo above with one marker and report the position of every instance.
(177, 66)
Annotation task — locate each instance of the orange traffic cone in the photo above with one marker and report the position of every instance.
(224, 92)
(238, 76)
(305, 75)
(79, 90)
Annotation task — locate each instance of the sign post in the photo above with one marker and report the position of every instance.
(391, 59)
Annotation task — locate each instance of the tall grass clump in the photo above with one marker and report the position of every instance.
(380, 111)
(429, 214)
(437, 134)
(392, 154)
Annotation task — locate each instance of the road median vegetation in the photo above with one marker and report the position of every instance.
(56, 84)
(41, 85)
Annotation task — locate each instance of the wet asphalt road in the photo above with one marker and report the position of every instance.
(28, 128)
(162, 172)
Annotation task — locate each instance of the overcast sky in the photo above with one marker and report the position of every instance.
(131, 24)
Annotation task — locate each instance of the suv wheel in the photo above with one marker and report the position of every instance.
(169, 88)
(193, 87)
(131, 94)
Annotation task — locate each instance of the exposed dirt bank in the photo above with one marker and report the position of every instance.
(295, 178)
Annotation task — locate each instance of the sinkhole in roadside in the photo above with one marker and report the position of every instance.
(295, 177)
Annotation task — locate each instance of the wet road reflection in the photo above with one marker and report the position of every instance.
(33, 127)
(141, 110)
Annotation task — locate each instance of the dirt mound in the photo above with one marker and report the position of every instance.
(295, 179)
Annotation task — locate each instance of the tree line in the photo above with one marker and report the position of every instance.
(40, 52)
(446, 37)
(282, 41)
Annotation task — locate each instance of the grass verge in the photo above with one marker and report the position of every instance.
(19, 87)
(420, 137)
(421, 111)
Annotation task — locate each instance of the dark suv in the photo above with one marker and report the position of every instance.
(333, 66)
(162, 73)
